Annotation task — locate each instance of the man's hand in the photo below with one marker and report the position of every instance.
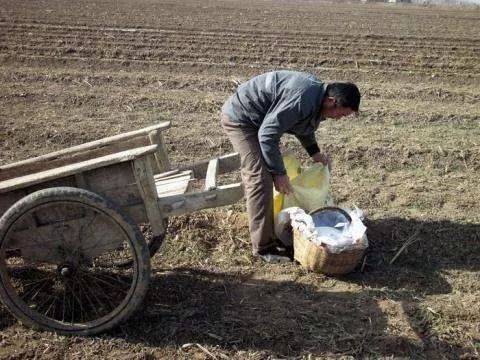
(282, 184)
(324, 159)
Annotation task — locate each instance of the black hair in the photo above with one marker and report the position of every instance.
(345, 93)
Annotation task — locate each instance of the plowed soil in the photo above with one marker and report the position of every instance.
(72, 72)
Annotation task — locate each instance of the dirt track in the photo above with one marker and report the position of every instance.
(71, 73)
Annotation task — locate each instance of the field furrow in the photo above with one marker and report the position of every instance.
(73, 72)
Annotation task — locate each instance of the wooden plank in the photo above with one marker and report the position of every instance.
(173, 175)
(124, 196)
(144, 177)
(46, 164)
(183, 204)
(226, 163)
(161, 155)
(37, 178)
(170, 189)
(7, 199)
(211, 176)
(166, 174)
(63, 229)
(93, 144)
(10, 198)
(110, 177)
(174, 188)
(174, 184)
(181, 176)
(182, 179)
(80, 180)
(182, 186)
(137, 213)
(115, 182)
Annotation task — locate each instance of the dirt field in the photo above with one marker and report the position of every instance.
(72, 72)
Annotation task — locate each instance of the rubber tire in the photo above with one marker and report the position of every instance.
(153, 245)
(139, 246)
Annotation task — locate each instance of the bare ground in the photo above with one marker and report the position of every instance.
(72, 73)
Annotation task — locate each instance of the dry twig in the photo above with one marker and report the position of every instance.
(408, 242)
(206, 351)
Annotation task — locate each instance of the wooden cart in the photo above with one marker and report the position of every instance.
(72, 257)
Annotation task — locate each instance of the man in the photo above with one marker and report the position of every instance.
(256, 116)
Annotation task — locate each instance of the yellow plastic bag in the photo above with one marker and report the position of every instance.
(311, 188)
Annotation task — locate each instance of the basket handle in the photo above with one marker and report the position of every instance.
(343, 212)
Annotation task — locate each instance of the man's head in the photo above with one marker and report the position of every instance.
(341, 99)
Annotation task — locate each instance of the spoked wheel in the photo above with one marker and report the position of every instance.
(59, 249)
(153, 243)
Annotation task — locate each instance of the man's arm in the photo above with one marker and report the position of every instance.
(310, 144)
(269, 139)
(274, 125)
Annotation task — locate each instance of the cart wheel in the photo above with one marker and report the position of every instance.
(153, 243)
(58, 248)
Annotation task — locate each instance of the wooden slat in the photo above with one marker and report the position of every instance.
(161, 155)
(174, 184)
(172, 175)
(180, 179)
(146, 185)
(226, 164)
(83, 152)
(176, 188)
(62, 229)
(137, 213)
(91, 145)
(47, 164)
(184, 204)
(80, 180)
(166, 174)
(8, 198)
(115, 182)
(117, 176)
(211, 176)
(37, 178)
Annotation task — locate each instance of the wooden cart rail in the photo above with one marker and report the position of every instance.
(151, 135)
(213, 195)
(127, 178)
(222, 165)
(184, 204)
(72, 169)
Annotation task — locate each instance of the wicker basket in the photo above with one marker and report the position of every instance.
(317, 258)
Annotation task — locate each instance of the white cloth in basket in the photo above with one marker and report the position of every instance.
(335, 232)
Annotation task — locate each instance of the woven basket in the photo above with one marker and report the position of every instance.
(317, 258)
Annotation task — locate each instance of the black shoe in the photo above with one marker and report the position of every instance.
(276, 254)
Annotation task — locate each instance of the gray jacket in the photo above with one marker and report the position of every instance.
(275, 103)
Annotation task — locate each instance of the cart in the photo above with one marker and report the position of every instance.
(73, 259)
